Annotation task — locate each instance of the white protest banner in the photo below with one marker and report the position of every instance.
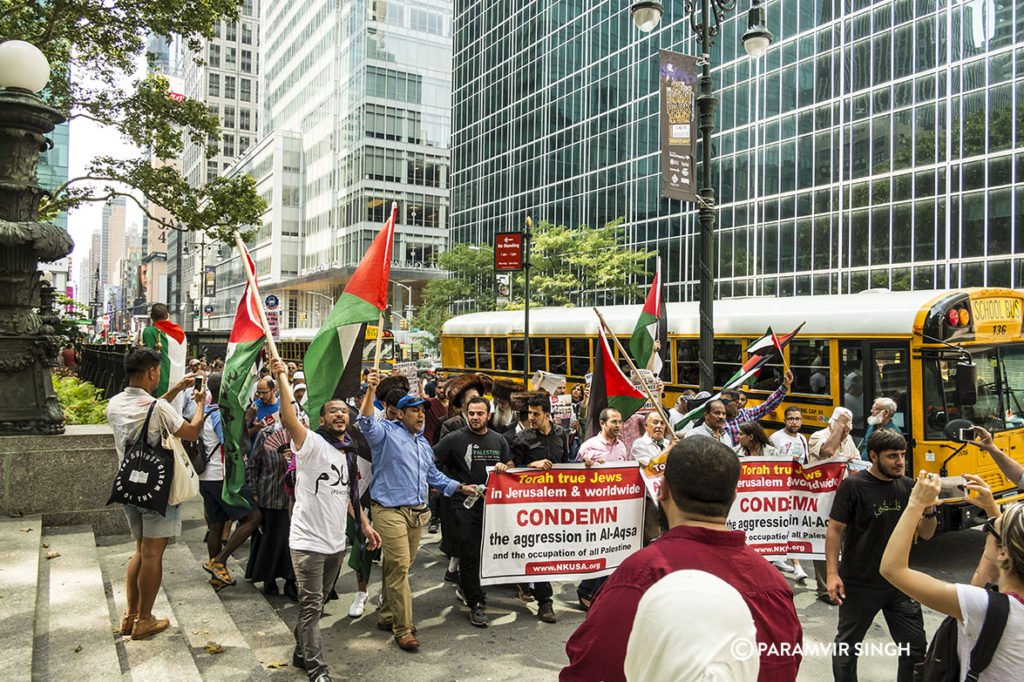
(639, 378)
(545, 381)
(784, 507)
(566, 523)
(408, 370)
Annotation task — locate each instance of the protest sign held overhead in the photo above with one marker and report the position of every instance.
(566, 523)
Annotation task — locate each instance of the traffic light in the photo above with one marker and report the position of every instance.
(404, 324)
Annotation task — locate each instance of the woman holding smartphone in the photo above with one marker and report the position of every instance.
(1002, 561)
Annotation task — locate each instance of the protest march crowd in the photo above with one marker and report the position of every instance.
(289, 459)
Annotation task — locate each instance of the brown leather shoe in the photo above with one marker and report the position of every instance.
(408, 642)
(144, 627)
(127, 622)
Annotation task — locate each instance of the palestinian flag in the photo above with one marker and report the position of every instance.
(240, 375)
(764, 352)
(168, 339)
(333, 361)
(609, 387)
(652, 325)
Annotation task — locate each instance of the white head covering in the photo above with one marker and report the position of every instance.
(839, 412)
(692, 626)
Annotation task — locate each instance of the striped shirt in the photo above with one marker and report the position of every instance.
(264, 472)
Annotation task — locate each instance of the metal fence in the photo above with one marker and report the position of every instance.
(103, 366)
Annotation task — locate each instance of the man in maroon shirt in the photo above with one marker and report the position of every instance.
(699, 487)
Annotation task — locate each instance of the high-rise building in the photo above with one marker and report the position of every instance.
(112, 241)
(876, 144)
(227, 79)
(357, 118)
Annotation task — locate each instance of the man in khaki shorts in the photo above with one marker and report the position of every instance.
(126, 413)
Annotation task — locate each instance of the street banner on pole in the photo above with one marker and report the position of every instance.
(677, 78)
(566, 523)
(784, 507)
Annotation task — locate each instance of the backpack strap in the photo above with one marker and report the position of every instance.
(991, 632)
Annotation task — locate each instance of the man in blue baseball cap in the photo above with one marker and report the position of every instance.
(403, 466)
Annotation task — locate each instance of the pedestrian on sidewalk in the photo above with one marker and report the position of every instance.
(269, 558)
(326, 494)
(220, 514)
(126, 413)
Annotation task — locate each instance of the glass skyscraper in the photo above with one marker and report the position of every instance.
(876, 144)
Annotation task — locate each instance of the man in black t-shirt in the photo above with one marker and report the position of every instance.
(867, 507)
(465, 454)
(539, 447)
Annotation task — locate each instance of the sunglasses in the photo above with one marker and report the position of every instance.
(990, 528)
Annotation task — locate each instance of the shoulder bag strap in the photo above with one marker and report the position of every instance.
(991, 632)
(144, 433)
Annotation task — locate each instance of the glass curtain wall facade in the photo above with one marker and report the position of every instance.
(367, 85)
(876, 144)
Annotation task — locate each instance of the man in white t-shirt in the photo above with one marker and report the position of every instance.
(126, 413)
(325, 494)
(789, 441)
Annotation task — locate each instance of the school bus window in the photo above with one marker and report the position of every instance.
(728, 359)
(556, 356)
(851, 371)
(516, 354)
(501, 354)
(891, 379)
(687, 364)
(579, 357)
(483, 353)
(808, 358)
(469, 350)
(537, 359)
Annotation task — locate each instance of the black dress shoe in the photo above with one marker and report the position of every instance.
(270, 587)
(297, 660)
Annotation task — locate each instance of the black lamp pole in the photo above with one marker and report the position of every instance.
(526, 308)
(647, 14)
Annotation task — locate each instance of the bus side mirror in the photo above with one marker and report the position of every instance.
(966, 383)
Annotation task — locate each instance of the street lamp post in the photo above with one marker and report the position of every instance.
(527, 233)
(647, 14)
(28, 346)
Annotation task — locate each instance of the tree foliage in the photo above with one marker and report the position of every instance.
(570, 267)
(93, 47)
(471, 287)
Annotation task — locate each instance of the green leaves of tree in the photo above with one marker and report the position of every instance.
(100, 44)
(569, 267)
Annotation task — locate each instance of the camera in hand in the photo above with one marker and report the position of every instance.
(967, 434)
(197, 385)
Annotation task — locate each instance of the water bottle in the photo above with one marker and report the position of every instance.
(471, 499)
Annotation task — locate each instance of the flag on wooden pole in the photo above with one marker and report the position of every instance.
(609, 387)
(240, 375)
(652, 326)
(332, 363)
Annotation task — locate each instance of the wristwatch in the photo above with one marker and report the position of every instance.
(930, 515)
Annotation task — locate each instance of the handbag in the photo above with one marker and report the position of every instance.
(144, 477)
(184, 481)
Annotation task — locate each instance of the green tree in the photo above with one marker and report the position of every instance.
(93, 49)
(471, 287)
(568, 265)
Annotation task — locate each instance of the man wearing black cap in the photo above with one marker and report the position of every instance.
(403, 466)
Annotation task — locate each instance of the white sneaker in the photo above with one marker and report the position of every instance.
(358, 605)
(783, 566)
(799, 573)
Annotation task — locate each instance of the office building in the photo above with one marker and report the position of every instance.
(876, 144)
(356, 102)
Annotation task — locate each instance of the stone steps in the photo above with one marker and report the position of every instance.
(79, 635)
(19, 576)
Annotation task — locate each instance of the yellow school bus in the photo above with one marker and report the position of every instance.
(909, 346)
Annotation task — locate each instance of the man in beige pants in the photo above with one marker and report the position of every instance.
(403, 467)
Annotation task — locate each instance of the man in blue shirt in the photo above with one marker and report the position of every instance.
(403, 467)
